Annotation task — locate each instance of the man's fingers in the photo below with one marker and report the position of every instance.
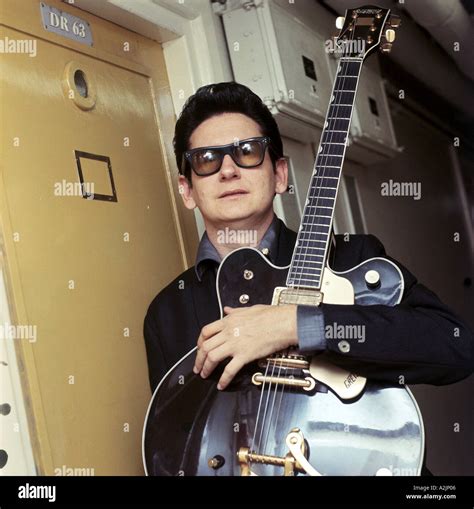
(204, 350)
(229, 373)
(209, 330)
(214, 357)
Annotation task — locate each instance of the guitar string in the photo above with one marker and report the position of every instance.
(263, 424)
(339, 92)
(265, 441)
(326, 156)
(252, 447)
(266, 408)
(278, 386)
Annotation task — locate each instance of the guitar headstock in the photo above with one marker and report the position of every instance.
(364, 29)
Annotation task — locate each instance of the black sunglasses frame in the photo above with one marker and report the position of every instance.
(223, 150)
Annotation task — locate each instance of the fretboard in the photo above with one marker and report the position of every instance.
(314, 235)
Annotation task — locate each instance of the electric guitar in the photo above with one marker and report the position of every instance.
(289, 414)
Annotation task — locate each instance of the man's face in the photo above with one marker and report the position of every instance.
(257, 186)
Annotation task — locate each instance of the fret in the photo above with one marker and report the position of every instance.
(314, 266)
(311, 247)
(328, 166)
(340, 111)
(329, 155)
(310, 255)
(331, 159)
(322, 180)
(324, 201)
(338, 123)
(301, 258)
(308, 271)
(334, 149)
(315, 215)
(339, 104)
(317, 228)
(346, 96)
(335, 137)
(306, 274)
(321, 221)
(296, 279)
(347, 75)
(324, 193)
(313, 233)
(314, 248)
(350, 66)
(314, 262)
(331, 168)
(310, 242)
(318, 207)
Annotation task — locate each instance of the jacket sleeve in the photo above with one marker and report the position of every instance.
(155, 354)
(419, 340)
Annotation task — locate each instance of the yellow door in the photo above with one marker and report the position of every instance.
(82, 271)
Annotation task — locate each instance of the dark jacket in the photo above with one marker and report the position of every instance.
(420, 339)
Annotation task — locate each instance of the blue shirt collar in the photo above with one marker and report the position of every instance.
(207, 255)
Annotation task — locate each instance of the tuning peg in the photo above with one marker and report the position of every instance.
(390, 35)
(394, 21)
(340, 22)
(386, 48)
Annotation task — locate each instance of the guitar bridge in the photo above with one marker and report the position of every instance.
(307, 384)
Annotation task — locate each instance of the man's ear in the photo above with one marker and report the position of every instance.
(186, 192)
(281, 176)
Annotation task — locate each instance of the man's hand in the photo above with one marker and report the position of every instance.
(245, 334)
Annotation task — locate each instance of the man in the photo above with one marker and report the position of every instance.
(233, 185)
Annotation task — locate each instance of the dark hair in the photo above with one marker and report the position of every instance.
(216, 99)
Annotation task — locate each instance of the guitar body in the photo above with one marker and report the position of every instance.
(189, 422)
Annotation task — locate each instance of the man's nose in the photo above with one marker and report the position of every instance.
(229, 169)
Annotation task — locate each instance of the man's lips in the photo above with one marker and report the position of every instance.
(234, 192)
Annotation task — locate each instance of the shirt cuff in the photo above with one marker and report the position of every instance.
(310, 326)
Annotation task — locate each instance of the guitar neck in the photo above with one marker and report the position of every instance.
(314, 234)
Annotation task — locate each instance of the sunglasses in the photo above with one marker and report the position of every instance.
(249, 153)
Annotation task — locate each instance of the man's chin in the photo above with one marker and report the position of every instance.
(233, 216)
